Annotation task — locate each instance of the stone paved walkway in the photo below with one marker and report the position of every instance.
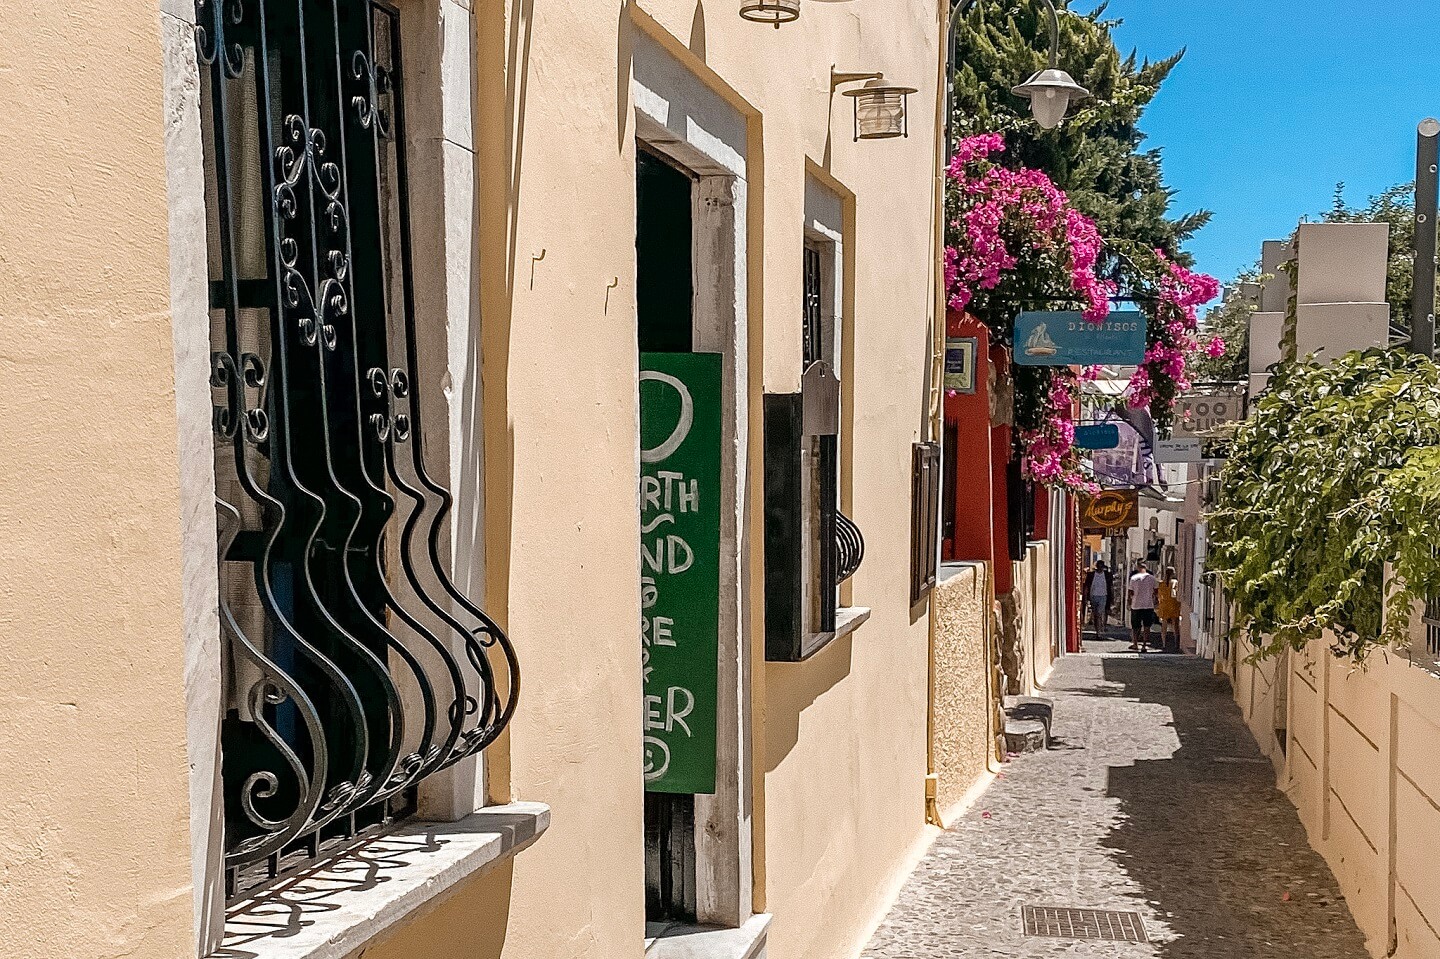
(1154, 798)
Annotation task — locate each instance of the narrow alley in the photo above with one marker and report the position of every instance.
(1152, 799)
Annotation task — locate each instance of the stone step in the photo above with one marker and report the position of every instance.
(1027, 723)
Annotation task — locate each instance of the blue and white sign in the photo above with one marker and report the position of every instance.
(1068, 339)
(1097, 436)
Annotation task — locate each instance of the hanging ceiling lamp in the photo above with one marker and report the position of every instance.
(774, 12)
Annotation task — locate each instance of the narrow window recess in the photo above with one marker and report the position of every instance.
(679, 941)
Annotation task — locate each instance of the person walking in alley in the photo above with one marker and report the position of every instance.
(1167, 608)
(1099, 587)
(1143, 591)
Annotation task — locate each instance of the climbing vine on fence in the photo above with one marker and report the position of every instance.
(1336, 474)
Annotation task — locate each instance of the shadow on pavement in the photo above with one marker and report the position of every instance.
(1217, 849)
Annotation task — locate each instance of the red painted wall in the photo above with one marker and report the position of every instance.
(969, 414)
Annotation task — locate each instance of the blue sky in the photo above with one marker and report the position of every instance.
(1276, 102)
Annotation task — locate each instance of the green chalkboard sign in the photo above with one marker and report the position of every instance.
(680, 567)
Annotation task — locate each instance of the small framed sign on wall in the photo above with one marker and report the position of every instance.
(960, 364)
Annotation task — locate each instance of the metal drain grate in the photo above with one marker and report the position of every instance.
(1062, 923)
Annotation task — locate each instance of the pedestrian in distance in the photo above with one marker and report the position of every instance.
(1099, 591)
(1144, 590)
(1167, 607)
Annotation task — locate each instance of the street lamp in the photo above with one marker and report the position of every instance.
(1050, 92)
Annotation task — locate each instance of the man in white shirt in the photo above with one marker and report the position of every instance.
(1143, 589)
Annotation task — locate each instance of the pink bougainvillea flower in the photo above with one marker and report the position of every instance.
(1016, 226)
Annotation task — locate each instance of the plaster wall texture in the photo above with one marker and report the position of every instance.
(1357, 755)
(1275, 291)
(92, 579)
(94, 811)
(1343, 262)
(1359, 766)
(839, 741)
(1265, 330)
(1036, 587)
(962, 740)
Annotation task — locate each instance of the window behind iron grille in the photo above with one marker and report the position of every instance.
(825, 448)
(354, 666)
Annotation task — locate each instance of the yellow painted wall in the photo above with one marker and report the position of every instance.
(839, 741)
(90, 577)
(94, 818)
(962, 735)
(1360, 769)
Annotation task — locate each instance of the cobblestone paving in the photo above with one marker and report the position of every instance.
(1155, 799)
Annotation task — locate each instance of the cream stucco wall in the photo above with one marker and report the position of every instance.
(1035, 587)
(1359, 766)
(839, 741)
(964, 687)
(94, 816)
(96, 824)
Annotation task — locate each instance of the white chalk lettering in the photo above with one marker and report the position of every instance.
(657, 631)
(665, 713)
(649, 493)
(690, 497)
(667, 554)
(681, 556)
(676, 717)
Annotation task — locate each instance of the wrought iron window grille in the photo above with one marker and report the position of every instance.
(355, 666)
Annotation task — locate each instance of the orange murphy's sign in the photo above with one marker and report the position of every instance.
(1111, 511)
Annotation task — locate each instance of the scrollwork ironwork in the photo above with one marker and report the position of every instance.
(213, 19)
(310, 427)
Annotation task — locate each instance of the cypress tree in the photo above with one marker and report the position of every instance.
(1097, 155)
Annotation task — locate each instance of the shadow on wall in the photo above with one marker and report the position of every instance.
(298, 901)
(790, 689)
(1217, 849)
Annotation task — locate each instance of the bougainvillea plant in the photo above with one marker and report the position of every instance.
(1172, 338)
(1014, 240)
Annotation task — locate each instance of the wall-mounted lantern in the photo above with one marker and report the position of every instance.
(880, 107)
(774, 12)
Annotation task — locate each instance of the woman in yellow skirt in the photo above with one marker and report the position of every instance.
(1167, 610)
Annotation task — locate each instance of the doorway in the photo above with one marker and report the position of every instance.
(664, 291)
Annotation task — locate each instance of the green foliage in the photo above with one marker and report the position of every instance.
(1336, 473)
(1096, 156)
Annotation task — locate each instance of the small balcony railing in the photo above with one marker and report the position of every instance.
(851, 546)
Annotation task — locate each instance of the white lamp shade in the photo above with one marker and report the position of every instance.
(1050, 93)
(880, 115)
(1049, 108)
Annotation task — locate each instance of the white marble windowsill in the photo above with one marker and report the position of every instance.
(350, 899)
(847, 620)
(707, 942)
